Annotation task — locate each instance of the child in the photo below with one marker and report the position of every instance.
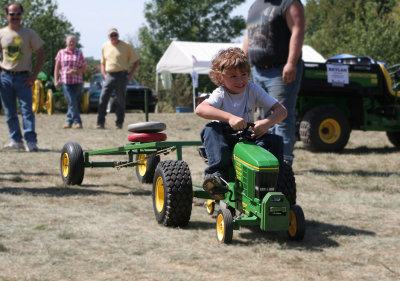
(233, 103)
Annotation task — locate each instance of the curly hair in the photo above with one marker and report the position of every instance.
(230, 58)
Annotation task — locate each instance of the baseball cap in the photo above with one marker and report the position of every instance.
(112, 30)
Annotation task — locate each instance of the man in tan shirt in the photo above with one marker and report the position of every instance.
(116, 58)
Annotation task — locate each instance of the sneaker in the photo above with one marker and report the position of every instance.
(215, 186)
(118, 126)
(32, 147)
(15, 145)
(77, 126)
(100, 126)
(66, 126)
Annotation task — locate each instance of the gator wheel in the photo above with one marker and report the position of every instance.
(50, 103)
(145, 171)
(325, 128)
(210, 206)
(224, 226)
(84, 106)
(394, 138)
(287, 183)
(37, 93)
(297, 227)
(172, 193)
(72, 164)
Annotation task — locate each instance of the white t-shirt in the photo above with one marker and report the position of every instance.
(242, 105)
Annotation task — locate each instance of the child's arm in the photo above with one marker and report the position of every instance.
(207, 111)
(261, 127)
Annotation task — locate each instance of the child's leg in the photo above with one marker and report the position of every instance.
(218, 152)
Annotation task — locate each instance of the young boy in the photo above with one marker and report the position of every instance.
(233, 103)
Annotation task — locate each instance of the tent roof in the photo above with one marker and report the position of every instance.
(186, 57)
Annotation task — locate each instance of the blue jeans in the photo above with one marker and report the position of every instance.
(114, 81)
(72, 92)
(219, 147)
(11, 88)
(271, 80)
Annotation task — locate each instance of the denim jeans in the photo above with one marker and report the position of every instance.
(286, 93)
(11, 88)
(72, 92)
(117, 81)
(219, 147)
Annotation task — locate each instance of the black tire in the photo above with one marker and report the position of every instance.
(287, 183)
(297, 227)
(172, 193)
(394, 138)
(145, 173)
(224, 226)
(72, 164)
(325, 128)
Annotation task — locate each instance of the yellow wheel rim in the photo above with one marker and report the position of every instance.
(65, 165)
(50, 102)
(143, 164)
(85, 102)
(41, 99)
(210, 206)
(220, 227)
(329, 131)
(293, 224)
(36, 96)
(159, 194)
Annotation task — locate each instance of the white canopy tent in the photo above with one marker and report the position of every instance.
(195, 58)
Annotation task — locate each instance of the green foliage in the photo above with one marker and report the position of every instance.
(42, 16)
(184, 20)
(358, 27)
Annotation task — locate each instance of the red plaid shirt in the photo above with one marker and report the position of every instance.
(70, 61)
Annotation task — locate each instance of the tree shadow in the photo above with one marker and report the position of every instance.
(360, 150)
(319, 236)
(359, 173)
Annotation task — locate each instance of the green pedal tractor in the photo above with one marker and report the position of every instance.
(260, 192)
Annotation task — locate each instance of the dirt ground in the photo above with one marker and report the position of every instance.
(105, 229)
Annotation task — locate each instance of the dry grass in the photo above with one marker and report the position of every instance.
(106, 230)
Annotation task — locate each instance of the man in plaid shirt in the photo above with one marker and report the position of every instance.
(70, 64)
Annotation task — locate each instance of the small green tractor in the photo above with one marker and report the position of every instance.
(260, 192)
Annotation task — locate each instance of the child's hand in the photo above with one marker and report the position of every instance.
(237, 123)
(260, 129)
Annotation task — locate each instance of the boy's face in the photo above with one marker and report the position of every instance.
(235, 80)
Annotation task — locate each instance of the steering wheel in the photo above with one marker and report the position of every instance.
(245, 134)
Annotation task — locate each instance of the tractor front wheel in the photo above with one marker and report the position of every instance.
(72, 164)
(224, 226)
(297, 227)
(172, 193)
(394, 138)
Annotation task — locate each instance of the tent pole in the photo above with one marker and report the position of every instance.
(157, 82)
(194, 99)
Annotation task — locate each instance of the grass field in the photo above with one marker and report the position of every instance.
(105, 229)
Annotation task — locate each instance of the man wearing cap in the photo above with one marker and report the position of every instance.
(16, 45)
(116, 57)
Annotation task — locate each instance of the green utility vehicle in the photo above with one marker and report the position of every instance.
(342, 95)
(259, 191)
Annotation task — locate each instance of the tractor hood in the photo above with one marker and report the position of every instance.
(255, 157)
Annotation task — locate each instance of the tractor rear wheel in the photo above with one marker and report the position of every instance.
(287, 183)
(148, 163)
(224, 226)
(72, 164)
(394, 138)
(325, 128)
(297, 227)
(172, 193)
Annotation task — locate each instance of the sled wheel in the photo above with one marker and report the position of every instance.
(72, 164)
(84, 106)
(394, 138)
(36, 96)
(172, 193)
(287, 183)
(210, 206)
(224, 226)
(148, 164)
(297, 227)
(325, 128)
(50, 102)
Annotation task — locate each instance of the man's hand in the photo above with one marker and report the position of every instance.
(289, 73)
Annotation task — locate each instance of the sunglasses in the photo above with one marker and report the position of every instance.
(15, 14)
(113, 34)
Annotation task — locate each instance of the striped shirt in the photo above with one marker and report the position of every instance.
(70, 61)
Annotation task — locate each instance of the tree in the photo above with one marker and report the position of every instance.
(41, 16)
(184, 20)
(358, 27)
